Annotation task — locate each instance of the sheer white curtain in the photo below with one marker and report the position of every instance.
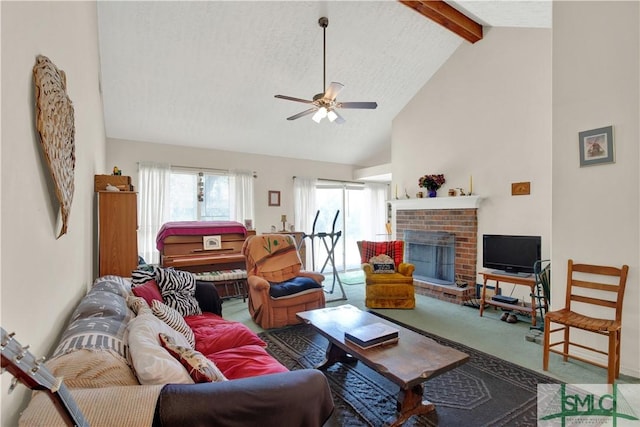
(376, 196)
(304, 208)
(241, 195)
(153, 202)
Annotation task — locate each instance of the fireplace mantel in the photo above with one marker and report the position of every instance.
(447, 202)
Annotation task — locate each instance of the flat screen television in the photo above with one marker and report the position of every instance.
(510, 254)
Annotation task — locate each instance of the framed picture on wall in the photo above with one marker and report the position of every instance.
(596, 146)
(274, 198)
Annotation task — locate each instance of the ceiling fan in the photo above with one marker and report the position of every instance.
(325, 104)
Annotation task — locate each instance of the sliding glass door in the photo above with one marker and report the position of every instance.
(340, 208)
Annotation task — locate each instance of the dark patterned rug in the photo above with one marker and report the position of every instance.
(486, 391)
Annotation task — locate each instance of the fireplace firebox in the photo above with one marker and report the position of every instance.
(433, 253)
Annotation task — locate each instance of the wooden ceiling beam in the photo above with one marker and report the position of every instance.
(450, 18)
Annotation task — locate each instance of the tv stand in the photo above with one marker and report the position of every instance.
(516, 280)
(506, 273)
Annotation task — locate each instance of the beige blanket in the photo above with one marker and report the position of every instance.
(132, 405)
(268, 255)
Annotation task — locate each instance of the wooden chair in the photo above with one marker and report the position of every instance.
(582, 280)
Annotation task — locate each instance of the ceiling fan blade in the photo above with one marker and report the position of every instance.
(291, 98)
(339, 119)
(303, 113)
(365, 105)
(333, 90)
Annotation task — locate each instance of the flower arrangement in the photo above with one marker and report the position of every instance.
(431, 182)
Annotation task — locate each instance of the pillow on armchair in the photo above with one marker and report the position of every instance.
(382, 264)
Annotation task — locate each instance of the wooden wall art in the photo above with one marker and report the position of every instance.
(521, 188)
(55, 124)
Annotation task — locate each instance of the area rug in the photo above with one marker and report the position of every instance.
(486, 391)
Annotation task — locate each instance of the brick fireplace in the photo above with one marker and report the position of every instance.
(454, 215)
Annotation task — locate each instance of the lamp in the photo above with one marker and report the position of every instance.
(331, 115)
(320, 114)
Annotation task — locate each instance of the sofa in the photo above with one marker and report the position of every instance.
(126, 359)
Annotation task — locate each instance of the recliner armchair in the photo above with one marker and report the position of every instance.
(387, 290)
(278, 288)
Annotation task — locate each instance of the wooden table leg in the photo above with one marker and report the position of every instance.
(335, 354)
(483, 295)
(410, 402)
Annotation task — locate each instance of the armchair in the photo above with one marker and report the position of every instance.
(387, 290)
(278, 288)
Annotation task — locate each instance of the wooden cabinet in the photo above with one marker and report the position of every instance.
(117, 232)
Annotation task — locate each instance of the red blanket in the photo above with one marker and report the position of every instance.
(197, 228)
(235, 349)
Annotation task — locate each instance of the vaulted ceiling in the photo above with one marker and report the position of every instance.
(204, 74)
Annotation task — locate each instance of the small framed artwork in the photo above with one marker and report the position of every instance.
(596, 146)
(212, 243)
(274, 198)
(520, 188)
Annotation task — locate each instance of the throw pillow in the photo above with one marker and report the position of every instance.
(174, 319)
(151, 362)
(178, 289)
(201, 369)
(141, 276)
(138, 305)
(382, 264)
(395, 249)
(149, 291)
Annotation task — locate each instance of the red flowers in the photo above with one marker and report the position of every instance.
(431, 182)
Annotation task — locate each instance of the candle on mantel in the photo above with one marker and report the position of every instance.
(470, 184)
(396, 191)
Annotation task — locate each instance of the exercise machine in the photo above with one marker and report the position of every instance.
(330, 241)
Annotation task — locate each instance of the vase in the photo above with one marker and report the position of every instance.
(432, 193)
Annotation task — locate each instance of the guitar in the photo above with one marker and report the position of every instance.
(32, 373)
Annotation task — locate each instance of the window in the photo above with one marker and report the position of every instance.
(199, 196)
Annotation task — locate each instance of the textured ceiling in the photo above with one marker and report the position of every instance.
(204, 74)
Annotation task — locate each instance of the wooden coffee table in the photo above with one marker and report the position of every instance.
(409, 362)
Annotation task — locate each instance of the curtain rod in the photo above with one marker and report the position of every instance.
(337, 180)
(254, 173)
(200, 169)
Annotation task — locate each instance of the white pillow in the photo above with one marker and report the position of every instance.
(152, 363)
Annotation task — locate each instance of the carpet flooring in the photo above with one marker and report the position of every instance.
(486, 391)
(355, 277)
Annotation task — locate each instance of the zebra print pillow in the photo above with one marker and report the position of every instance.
(142, 276)
(178, 289)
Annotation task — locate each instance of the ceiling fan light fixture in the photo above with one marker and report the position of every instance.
(332, 116)
(320, 114)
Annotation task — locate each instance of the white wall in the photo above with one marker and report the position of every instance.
(486, 113)
(42, 277)
(596, 49)
(274, 173)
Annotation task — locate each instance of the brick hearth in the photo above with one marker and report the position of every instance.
(447, 293)
(457, 215)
